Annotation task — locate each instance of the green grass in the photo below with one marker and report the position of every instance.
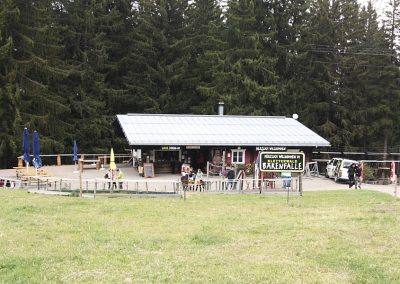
(325, 237)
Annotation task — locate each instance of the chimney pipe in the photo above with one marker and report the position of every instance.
(221, 108)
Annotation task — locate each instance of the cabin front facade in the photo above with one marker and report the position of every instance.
(212, 142)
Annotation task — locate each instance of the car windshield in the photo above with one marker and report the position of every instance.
(347, 164)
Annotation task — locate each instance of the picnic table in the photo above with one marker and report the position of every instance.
(23, 174)
(82, 163)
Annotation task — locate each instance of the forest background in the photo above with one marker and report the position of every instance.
(67, 67)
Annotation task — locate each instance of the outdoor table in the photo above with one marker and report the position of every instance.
(82, 162)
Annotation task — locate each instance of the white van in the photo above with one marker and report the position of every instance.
(331, 167)
(342, 168)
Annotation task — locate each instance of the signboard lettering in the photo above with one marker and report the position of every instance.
(192, 147)
(281, 162)
(170, 148)
(271, 148)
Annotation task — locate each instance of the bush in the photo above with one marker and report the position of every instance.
(248, 168)
(368, 173)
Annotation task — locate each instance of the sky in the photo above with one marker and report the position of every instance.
(378, 4)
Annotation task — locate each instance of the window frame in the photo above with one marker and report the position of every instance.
(239, 152)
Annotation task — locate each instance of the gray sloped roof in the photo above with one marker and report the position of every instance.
(214, 130)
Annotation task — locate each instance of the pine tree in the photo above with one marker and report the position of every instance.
(84, 88)
(8, 110)
(204, 23)
(172, 22)
(381, 85)
(392, 23)
(315, 81)
(32, 68)
(243, 76)
(286, 25)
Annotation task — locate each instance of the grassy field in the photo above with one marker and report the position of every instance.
(325, 237)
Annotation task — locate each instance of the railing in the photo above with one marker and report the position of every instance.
(148, 186)
(67, 159)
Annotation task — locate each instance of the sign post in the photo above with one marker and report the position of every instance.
(292, 162)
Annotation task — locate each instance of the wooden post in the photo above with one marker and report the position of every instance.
(300, 184)
(20, 162)
(95, 188)
(58, 160)
(105, 160)
(287, 201)
(80, 183)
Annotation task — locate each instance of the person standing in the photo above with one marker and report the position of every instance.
(231, 177)
(120, 176)
(351, 172)
(108, 176)
(358, 175)
(113, 180)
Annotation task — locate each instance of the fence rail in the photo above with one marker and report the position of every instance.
(148, 186)
(67, 159)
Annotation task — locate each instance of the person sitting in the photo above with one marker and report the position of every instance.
(199, 180)
(191, 178)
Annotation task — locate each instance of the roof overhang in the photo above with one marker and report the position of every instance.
(216, 130)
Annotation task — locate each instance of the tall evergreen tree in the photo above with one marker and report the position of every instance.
(315, 84)
(144, 79)
(381, 85)
(392, 23)
(204, 24)
(33, 68)
(175, 55)
(243, 77)
(286, 24)
(84, 88)
(8, 110)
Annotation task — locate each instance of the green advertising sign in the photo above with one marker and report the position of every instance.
(281, 162)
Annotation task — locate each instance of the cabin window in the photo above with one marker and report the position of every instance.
(238, 156)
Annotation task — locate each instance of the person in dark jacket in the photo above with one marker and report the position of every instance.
(358, 174)
(231, 176)
(351, 171)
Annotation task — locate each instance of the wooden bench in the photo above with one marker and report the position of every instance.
(82, 163)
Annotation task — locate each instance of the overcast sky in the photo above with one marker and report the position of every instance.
(378, 4)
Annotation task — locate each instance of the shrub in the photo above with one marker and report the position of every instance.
(368, 173)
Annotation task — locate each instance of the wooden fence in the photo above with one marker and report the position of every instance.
(148, 186)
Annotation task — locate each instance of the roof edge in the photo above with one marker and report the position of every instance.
(202, 115)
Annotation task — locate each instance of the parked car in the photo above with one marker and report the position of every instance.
(331, 167)
(342, 168)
